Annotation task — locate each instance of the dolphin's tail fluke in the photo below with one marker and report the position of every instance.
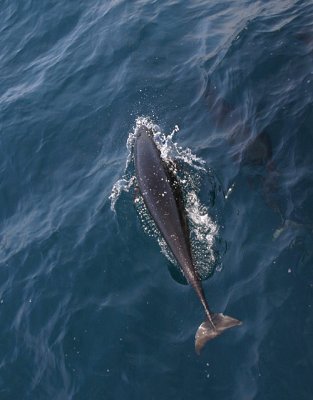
(208, 331)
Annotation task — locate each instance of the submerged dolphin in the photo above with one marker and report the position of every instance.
(161, 197)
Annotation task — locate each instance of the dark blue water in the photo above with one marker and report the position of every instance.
(88, 309)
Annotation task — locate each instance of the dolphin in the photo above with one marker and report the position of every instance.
(162, 198)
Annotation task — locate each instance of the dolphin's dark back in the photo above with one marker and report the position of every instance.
(158, 194)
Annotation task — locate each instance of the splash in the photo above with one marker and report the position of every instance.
(203, 232)
(191, 174)
(128, 180)
(122, 185)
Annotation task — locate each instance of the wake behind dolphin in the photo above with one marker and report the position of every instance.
(162, 196)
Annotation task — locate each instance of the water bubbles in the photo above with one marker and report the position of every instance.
(229, 191)
(207, 374)
(203, 231)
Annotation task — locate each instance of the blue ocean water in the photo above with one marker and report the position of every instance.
(88, 308)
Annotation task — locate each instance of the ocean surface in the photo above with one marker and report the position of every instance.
(90, 307)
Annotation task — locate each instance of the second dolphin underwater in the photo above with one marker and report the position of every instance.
(162, 198)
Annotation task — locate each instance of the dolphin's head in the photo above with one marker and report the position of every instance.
(143, 130)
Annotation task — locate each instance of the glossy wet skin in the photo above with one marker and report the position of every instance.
(159, 197)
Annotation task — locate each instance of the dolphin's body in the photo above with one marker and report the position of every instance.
(161, 197)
